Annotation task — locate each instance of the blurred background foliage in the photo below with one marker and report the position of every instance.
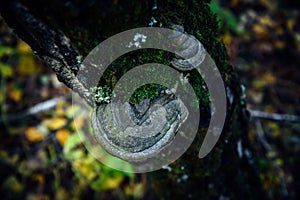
(41, 156)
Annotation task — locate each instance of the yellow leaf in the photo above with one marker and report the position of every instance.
(55, 123)
(62, 136)
(15, 94)
(6, 70)
(290, 24)
(227, 38)
(27, 65)
(111, 183)
(2, 95)
(77, 123)
(259, 83)
(274, 129)
(266, 79)
(33, 135)
(269, 78)
(60, 108)
(139, 190)
(234, 3)
(279, 44)
(23, 47)
(269, 109)
(279, 162)
(266, 3)
(251, 135)
(40, 178)
(62, 194)
(86, 168)
(73, 110)
(260, 31)
(279, 30)
(265, 20)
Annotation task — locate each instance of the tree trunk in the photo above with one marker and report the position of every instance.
(227, 171)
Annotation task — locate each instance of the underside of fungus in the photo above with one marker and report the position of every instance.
(137, 132)
(190, 48)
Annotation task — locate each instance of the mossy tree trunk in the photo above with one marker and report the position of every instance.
(223, 173)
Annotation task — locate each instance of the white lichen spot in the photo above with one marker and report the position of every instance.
(154, 6)
(240, 148)
(248, 154)
(170, 91)
(229, 95)
(152, 21)
(184, 79)
(183, 178)
(138, 39)
(79, 59)
(167, 168)
(244, 95)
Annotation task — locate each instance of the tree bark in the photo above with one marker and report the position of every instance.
(61, 31)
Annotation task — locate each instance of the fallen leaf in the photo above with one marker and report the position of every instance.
(73, 111)
(60, 108)
(266, 79)
(12, 184)
(33, 135)
(35, 196)
(62, 194)
(28, 66)
(62, 136)
(23, 48)
(40, 178)
(269, 78)
(278, 162)
(260, 31)
(2, 95)
(6, 70)
(15, 94)
(234, 3)
(227, 38)
(139, 190)
(111, 183)
(290, 25)
(6, 50)
(86, 168)
(77, 123)
(71, 143)
(265, 20)
(55, 123)
(279, 44)
(279, 30)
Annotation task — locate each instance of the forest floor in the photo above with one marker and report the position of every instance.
(263, 42)
(41, 156)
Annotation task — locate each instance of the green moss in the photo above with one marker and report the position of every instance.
(149, 91)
